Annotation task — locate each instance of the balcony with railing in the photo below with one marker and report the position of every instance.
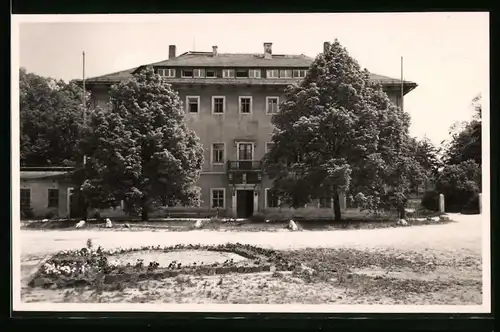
(244, 171)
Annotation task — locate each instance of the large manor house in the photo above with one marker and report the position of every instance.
(229, 99)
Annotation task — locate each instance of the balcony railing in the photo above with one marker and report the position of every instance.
(244, 165)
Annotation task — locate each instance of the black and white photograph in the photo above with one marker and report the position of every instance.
(328, 162)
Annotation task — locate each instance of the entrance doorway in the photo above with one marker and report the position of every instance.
(244, 203)
(72, 205)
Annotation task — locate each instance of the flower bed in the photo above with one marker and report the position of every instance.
(94, 267)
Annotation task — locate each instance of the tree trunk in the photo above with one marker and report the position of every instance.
(336, 206)
(144, 209)
(402, 212)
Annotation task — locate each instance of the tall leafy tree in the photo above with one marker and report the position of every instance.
(460, 179)
(50, 114)
(337, 130)
(465, 144)
(141, 151)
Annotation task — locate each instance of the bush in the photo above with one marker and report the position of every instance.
(430, 200)
(459, 184)
(472, 206)
(257, 218)
(50, 215)
(27, 213)
(97, 215)
(215, 220)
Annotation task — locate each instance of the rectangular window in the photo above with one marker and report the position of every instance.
(286, 73)
(272, 200)
(218, 195)
(254, 73)
(218, 153)
(299, 73)
(53, 198)
(187, 73)
(245, 105)
(325, 202)
(211, 73)
(199, 73)
(228, 73)
(218, 104)
(272, 105)
(269, 146)
(242, 73)
(25, 198)
(166, 72)
(192, 104)
(272, 73)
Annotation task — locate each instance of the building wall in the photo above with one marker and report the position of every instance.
(40, 197)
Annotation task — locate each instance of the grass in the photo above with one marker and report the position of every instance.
(336, 276)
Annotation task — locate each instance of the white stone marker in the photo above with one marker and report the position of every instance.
(292, 225)
(80, 224)
(402, 222)
(198, 224)
(109, 224)
(441, 203)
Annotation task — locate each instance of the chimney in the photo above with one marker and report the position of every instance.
(214, 50)
(326, 47)
(268, 50)
(171, 51)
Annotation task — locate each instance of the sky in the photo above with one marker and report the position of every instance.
(446, 54)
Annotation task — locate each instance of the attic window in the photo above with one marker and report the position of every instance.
(187, 73)
(211, 73)
(272, 73)
(199, 72)
(286, 73)
(241, 73)
(254, 73)
(299, 73)
(228, 73)
(166, 72)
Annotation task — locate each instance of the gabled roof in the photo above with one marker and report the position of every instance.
(234, 60)
(31, 173)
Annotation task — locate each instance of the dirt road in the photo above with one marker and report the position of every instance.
(463, 237)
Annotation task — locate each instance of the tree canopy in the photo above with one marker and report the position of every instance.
(338, 130)
(140, 150)
(50, 116)
(466, 143)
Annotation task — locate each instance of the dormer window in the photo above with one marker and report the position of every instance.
(166, 72)
(254, 73)
(242, 73)
(187, 73)
(210, 73)
(286, 73)
(299, 73)
(272, 73)
(228, 73)
(199, 73)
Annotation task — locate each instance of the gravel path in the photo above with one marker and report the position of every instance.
(463, 236)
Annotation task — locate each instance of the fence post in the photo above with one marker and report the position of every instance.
(480, 201)
(441, 203)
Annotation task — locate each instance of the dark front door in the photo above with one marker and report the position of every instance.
(74, 206)
(244, 203)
